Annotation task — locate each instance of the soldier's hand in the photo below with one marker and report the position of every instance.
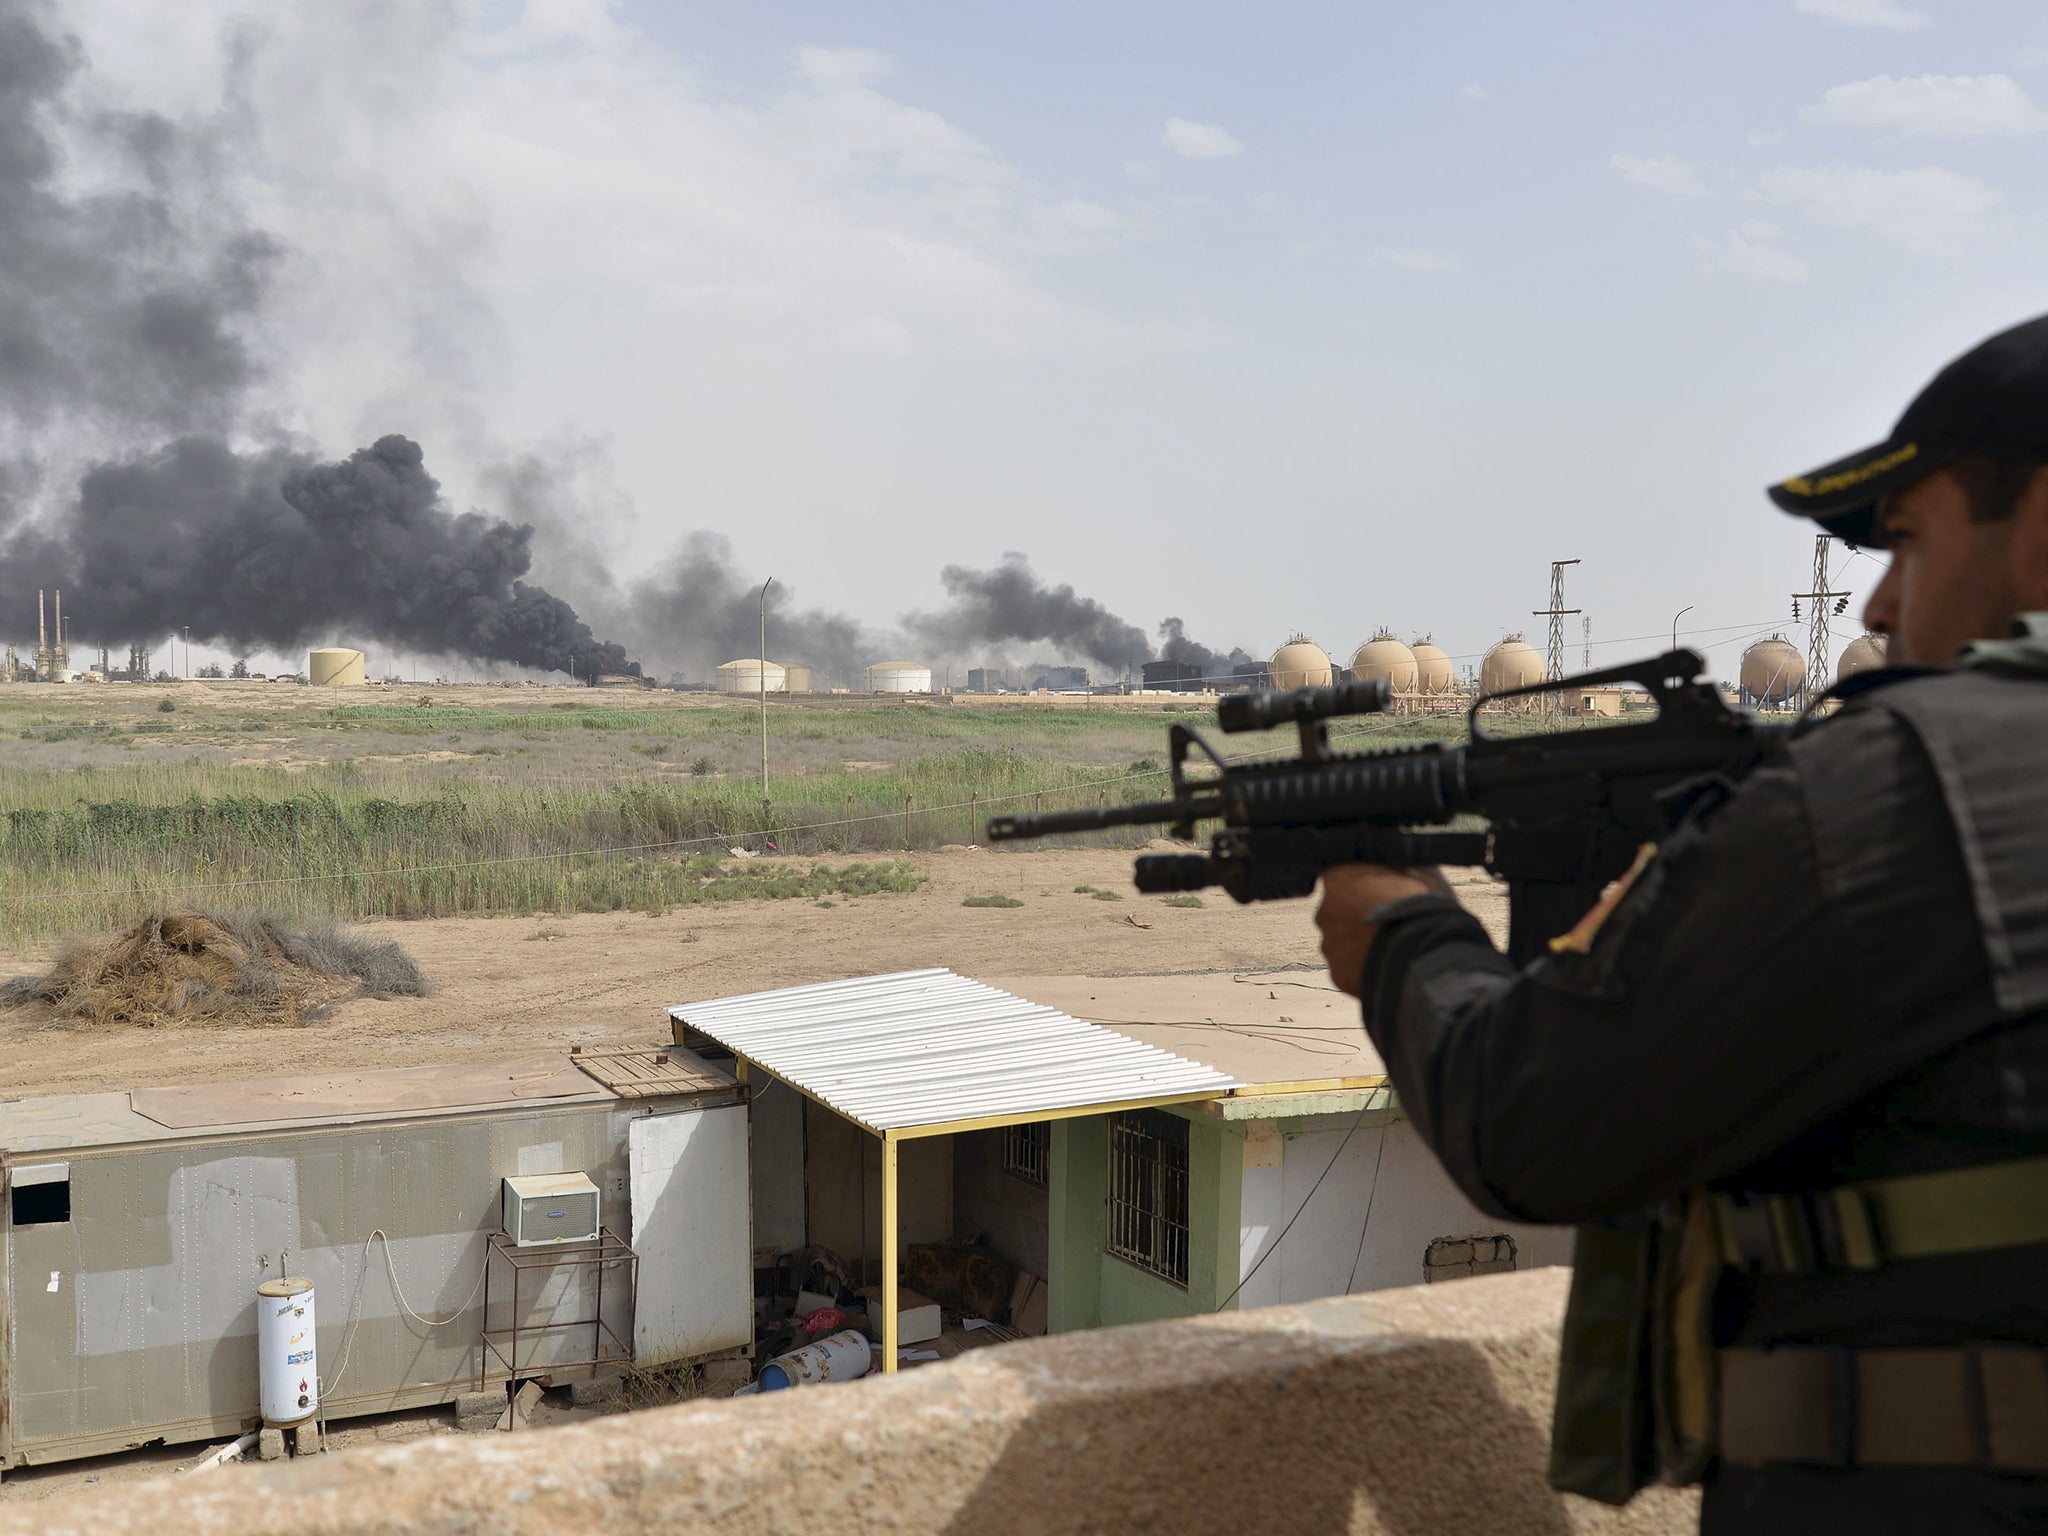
(1350, 892)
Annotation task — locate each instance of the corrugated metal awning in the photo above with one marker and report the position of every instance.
(918, 1050)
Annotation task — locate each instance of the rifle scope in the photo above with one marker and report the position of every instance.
(1261, 711)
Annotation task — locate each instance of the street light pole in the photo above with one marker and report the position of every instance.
(762, 658)
(1674, 623)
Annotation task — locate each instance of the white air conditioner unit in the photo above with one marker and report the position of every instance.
(544, 1208)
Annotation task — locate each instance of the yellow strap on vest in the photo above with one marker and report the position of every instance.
(1913, 1216)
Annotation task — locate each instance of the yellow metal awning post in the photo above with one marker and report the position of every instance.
(889, 1317)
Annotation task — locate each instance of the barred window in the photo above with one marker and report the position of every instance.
(1027, 1152)
(1148, 1192)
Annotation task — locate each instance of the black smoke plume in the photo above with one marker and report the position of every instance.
(1010, 604)
(1174, 645)
(273, 550)
(698, 610)
(122, 309)
(126, 324)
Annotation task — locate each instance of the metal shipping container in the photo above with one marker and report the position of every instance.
(136, 1227)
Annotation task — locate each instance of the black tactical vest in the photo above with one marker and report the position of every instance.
(1985, 729)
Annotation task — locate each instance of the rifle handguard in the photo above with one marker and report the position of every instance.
(1159, 874)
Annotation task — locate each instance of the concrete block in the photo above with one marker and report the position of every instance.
(270, 1444)
(521, 1407)
(602, 1391)
(1482, 1250)
(306, 1439)
(477, 1412)
(1494, 1267)
(1442, 1255)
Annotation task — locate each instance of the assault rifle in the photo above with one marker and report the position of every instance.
(1564, 811)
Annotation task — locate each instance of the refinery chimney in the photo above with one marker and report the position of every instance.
(42, 639)
(60, 654)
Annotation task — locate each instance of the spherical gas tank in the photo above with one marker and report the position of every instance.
(1385, 657)
(1511, 664)
(1773, 672)
(1433, 670)
(1300, 663)
(1865, 653)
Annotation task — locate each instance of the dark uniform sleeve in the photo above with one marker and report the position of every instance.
(1785, 953)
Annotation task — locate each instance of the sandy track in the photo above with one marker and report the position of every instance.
(608, 977)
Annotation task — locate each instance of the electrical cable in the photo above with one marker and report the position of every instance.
(1372, 1193)
(1274, 1246)
(356, 1304)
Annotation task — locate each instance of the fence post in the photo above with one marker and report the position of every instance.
(906, 823)
(973, 800)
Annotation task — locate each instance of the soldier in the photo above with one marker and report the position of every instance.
(1796, 1087)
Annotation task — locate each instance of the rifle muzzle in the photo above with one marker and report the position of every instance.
(1160, 873)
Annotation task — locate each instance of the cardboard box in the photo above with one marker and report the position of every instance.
(917, 1315)
(1028, 1305)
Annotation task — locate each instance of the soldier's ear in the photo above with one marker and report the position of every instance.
(2028, 550)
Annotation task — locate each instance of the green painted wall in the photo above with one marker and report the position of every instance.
(1090, 1289)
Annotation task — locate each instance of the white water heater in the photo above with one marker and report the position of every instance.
(287, 1366)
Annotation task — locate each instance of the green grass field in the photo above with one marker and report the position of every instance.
(519, 802)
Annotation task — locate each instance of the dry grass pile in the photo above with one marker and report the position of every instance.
(216, 970)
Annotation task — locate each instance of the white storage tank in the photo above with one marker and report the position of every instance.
(796, 677)
(744, 676)
(335, 667)
(899, 677)
(287, 1367)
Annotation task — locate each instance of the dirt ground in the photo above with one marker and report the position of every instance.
(509, 984)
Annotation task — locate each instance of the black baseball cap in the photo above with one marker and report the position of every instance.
(1991, 400)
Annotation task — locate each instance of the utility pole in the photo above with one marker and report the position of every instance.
(1818, 677)
(1556, 613)
(762, 673)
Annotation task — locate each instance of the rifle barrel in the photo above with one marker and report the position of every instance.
(1003, 829)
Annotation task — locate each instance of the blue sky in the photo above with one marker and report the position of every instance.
(1304, 317)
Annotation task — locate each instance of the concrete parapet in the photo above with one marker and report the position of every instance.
(1402, 1412)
